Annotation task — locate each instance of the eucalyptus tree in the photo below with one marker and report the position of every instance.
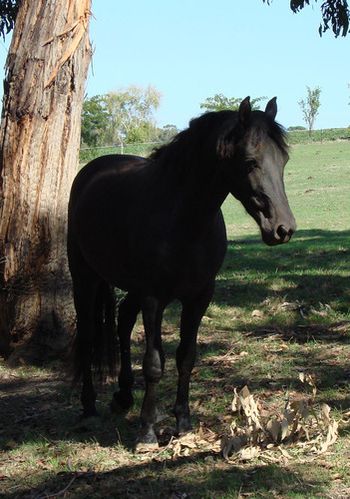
(335, 14)
(46, 69)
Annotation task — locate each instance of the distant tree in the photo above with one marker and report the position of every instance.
(220, 102)
(335, 14)
(296, 128)
(146, 131)
(94, 121)
(166, 133)
(310, 106)
(123, 116)
(130, 109)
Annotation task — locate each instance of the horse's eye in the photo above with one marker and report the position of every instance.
(250, 164)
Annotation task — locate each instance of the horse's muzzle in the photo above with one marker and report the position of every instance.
(281, 235)
(284, 234)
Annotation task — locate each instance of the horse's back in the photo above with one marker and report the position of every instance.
(108, 167)
(102, 194)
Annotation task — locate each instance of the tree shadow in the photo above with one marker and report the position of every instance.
(181, 477)
(316, 264)
(47, 405)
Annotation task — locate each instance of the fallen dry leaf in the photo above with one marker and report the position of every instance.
(249, 453)
(274, 428)
(255, 430)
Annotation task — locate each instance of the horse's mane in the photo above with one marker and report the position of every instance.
(279, 135)
(204, 132)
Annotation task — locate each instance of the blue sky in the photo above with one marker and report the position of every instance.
(193, 49)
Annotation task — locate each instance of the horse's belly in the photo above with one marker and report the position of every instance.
(164, 270)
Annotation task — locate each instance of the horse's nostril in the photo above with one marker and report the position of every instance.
(283, 232)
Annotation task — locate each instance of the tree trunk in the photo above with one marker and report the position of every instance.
(40, 133)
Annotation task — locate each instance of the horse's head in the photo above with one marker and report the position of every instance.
(255, 154)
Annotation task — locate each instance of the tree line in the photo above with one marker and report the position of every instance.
(126, 116)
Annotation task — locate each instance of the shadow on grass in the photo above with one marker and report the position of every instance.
(179, 478)
(314, 266)
(35, 410)
(41, 407)
(332, 376)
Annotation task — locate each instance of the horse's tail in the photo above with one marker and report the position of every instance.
(105, 346)
(102, 348)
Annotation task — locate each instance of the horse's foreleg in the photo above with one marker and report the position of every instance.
(192, 313)
(127, 315)
(153, 366)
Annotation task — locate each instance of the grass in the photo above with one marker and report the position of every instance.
(330, 134)
(277, 312)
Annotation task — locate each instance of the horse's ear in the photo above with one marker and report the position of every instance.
(271, 108)
(244, 111)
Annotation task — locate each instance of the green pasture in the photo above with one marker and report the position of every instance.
(322, 136)
(278, 312)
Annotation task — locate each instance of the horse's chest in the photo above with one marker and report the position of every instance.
(186, 267)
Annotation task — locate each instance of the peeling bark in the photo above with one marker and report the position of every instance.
(40, 134)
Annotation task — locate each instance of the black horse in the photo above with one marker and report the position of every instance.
(153, 227)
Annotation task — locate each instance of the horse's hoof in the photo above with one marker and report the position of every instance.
(86, 423)
(143, 447)
(121, 402)
(183, 426)
(89, 413)
(147, 440)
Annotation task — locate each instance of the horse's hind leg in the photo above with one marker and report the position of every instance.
(192, 313)
(127, 315)
(85, 288)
